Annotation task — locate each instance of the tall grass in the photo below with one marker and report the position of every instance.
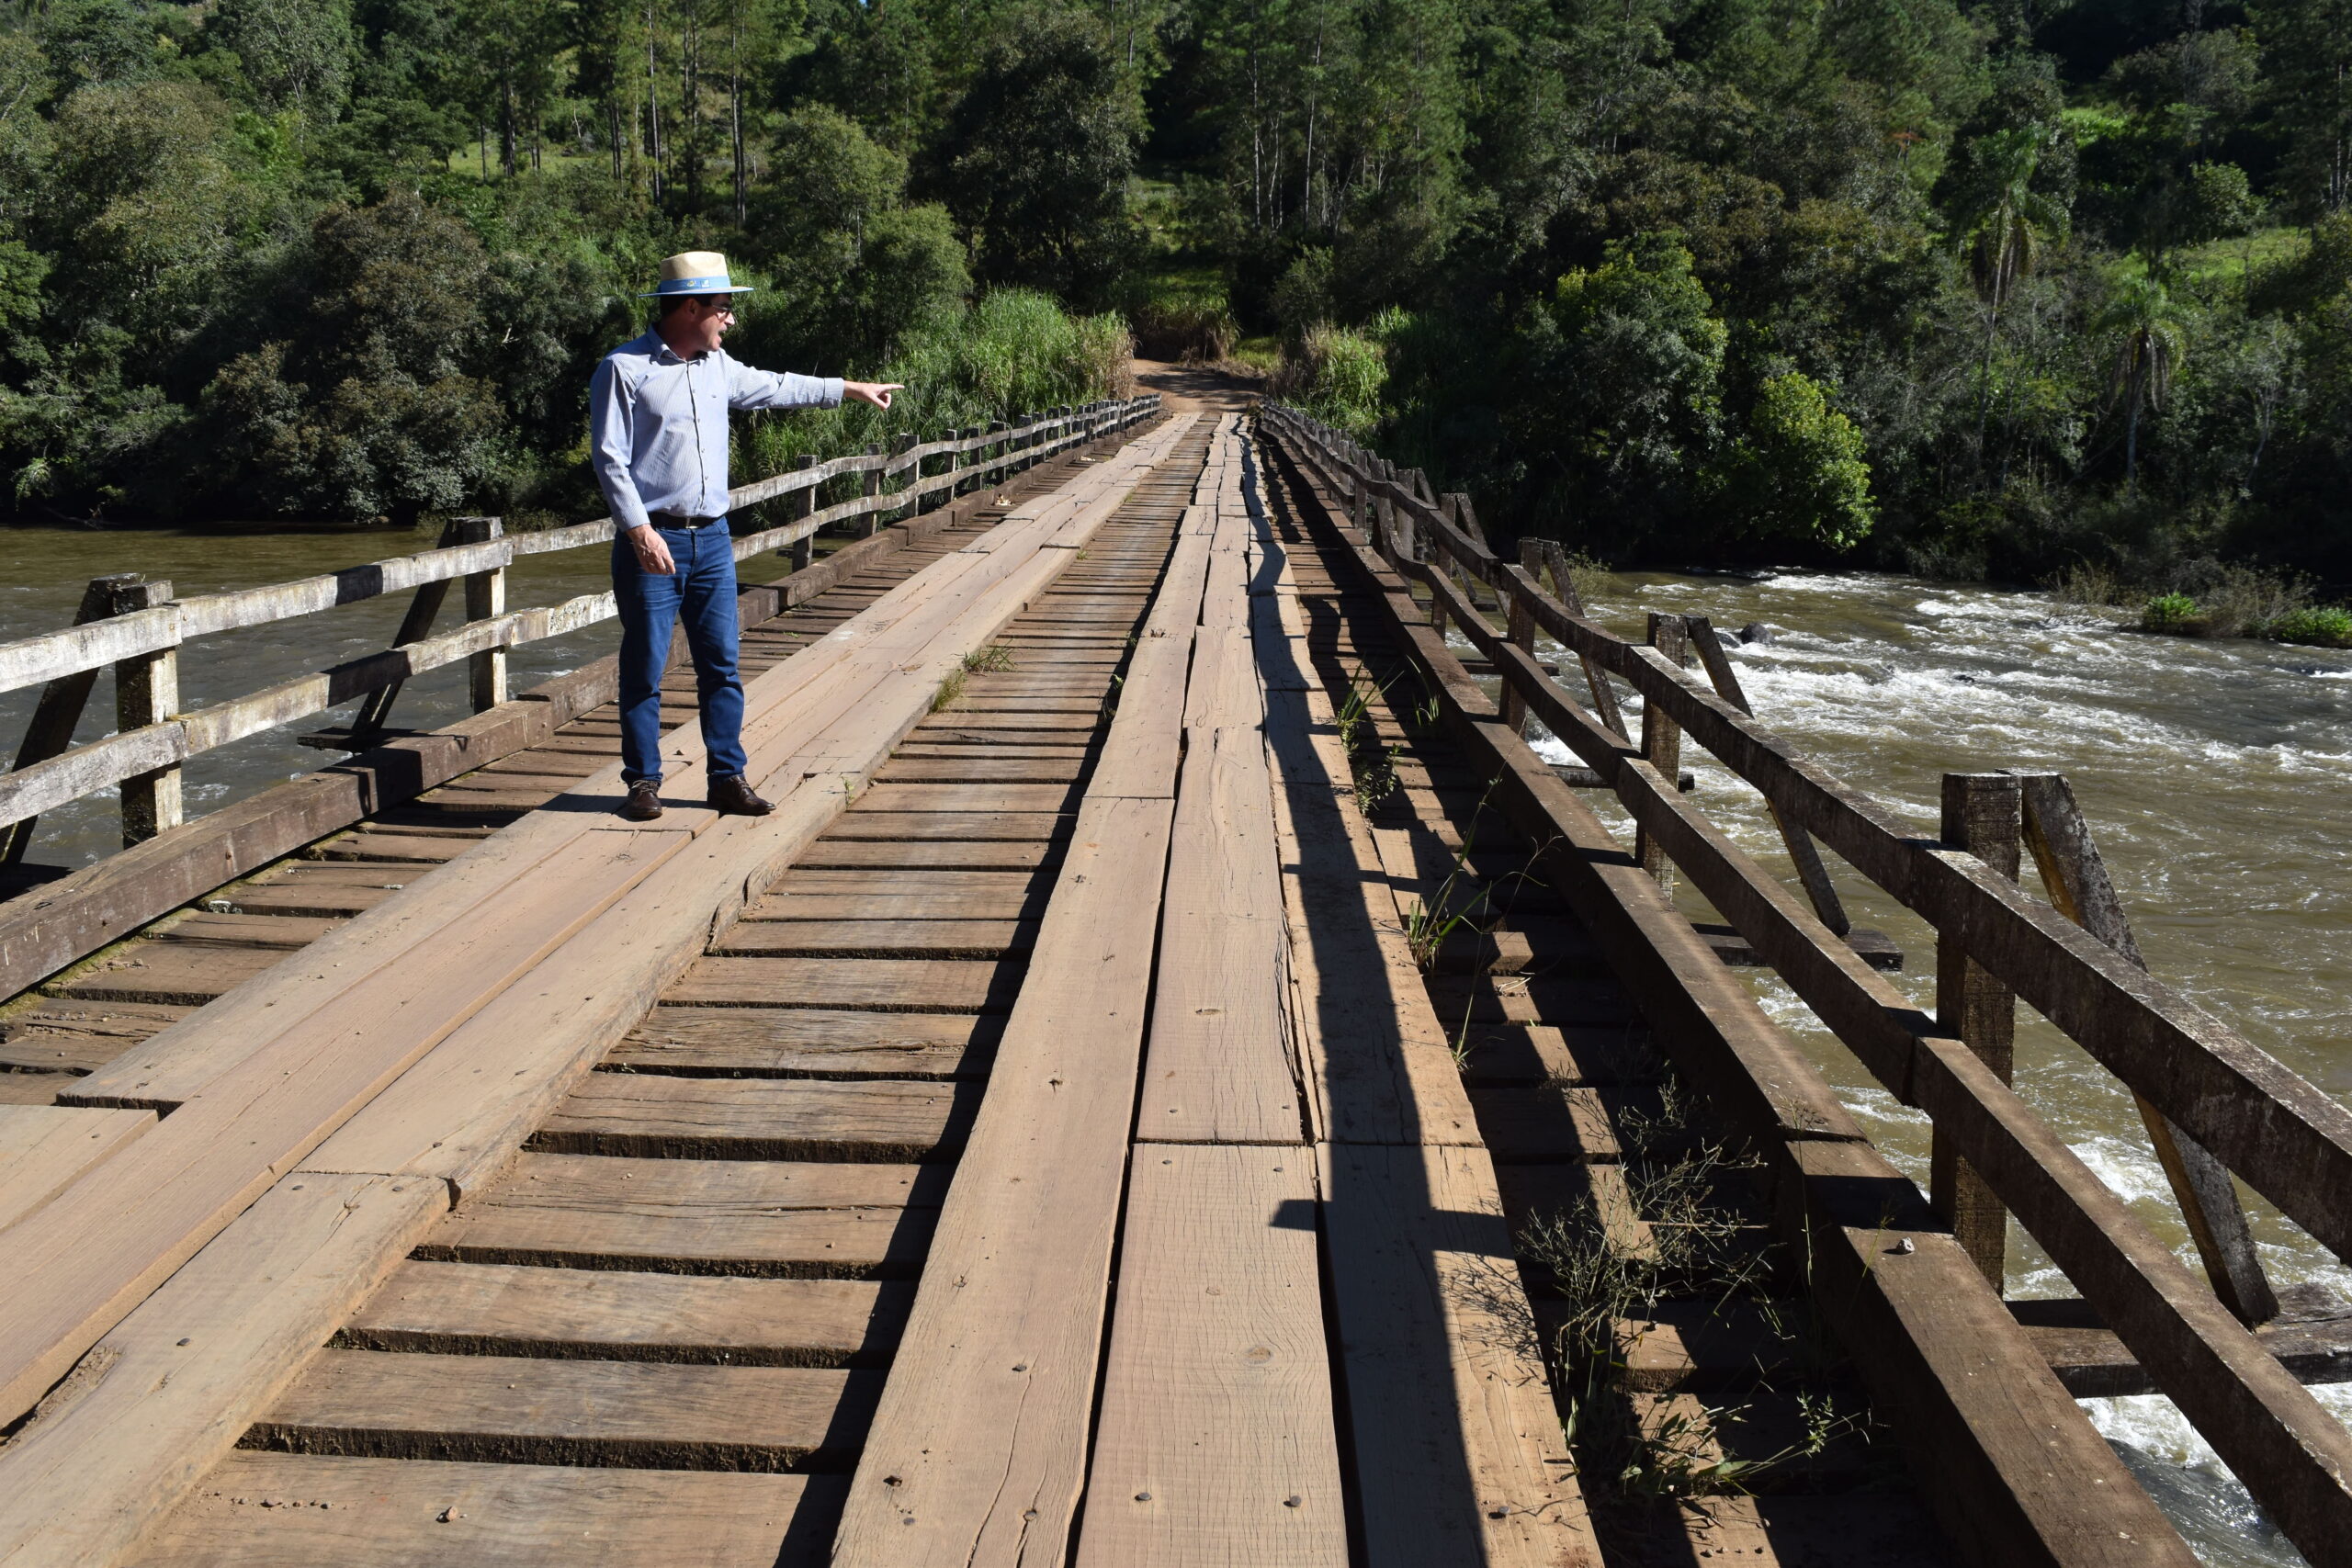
(1013, 351)
(1337, 375)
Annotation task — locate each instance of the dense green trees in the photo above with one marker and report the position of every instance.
(1953, 285)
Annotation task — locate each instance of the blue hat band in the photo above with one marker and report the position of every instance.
(718, 285)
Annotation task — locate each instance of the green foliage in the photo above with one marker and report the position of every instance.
(1012, 352)
(2168, 612)
(1337, 376)
(2320, 625)
(1623, 372)
(1036, 158)
(1797, 471)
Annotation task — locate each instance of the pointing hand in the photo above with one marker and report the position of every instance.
(875, 392)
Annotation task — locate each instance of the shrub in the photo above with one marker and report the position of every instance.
(1337, 376)
(1013, 351)
(1797, 472)
(2175, 613)
(2320, 625)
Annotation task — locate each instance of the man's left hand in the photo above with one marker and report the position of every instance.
(875, 392)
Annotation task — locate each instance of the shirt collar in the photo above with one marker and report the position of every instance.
(663, 354)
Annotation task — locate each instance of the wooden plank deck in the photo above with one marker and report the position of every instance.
(1065, 1133)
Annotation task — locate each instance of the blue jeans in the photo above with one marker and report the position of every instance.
(704, 587)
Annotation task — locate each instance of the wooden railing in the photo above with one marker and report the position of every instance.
(136, 628)
(2215, 1103)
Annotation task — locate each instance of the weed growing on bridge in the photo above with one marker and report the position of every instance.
(1372, 764)
(1611, 1278)
(994, 659)
(950, 690)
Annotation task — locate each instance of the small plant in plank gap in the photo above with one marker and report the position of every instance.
(993, 660)
(949, 691)
(1372, 764)
(1692, 1242)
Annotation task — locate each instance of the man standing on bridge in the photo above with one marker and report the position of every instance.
(657, 436)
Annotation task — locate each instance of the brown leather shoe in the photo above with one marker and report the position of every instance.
(644, 802)
(734, 795)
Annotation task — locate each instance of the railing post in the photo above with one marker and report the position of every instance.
(485, 597)
(1803, 851)
(146, 691)
(1662, 740)
(804, 501)
(995, 455)
(1563, 588)
(1520, 628)
(900, 449)
(58, 710)
(1982, 816)
(2076, 875)
(872, 489)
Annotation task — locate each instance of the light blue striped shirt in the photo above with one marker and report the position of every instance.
(657, 424)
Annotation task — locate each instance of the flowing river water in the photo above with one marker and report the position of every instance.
(2212, 775)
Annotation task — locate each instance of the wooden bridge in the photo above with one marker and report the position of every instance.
(1178, 1080)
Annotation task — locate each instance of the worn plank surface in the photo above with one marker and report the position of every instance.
(266, 1510)
(1221, 1066)
(536, 1410)
(1216, 1443)
(44, 1147)
(776, 1219)
(513, 1309)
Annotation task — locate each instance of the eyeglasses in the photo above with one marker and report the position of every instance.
(719, 307)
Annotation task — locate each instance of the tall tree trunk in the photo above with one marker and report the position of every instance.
(735, 115)
(652, 103)
(506, 123)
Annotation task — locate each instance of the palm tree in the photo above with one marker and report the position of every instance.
(2009, 233)
(2148, 350)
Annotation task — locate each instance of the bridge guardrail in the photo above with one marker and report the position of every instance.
(2204, 1087)
(136, 628)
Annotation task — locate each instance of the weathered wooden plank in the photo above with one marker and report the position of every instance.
(1221, 1067)
(629, 1316)
(262, 1511)
(1010, 906)
(775, 1219)
(853, 938)
(44, 1147)
(977, 1454)
(187, 974)
(1458, 1452)
(912, 854)
(1379, 1062)
(69, 1034)
(1215, 1442)
(507, 1408)
(960, 827)
(171, 1387)
(283, 933)
(809, 1043)
(880, 984)
(95, 1250)
(656, 1115)
(1054, 769)
(960, 798)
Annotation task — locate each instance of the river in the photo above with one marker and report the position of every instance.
(2212, 773)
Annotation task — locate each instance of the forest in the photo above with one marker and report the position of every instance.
(2013, 289)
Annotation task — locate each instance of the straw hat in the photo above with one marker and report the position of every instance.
(694, 271)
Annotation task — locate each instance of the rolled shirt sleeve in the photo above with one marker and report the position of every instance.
(612, 443)
(750, 389)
